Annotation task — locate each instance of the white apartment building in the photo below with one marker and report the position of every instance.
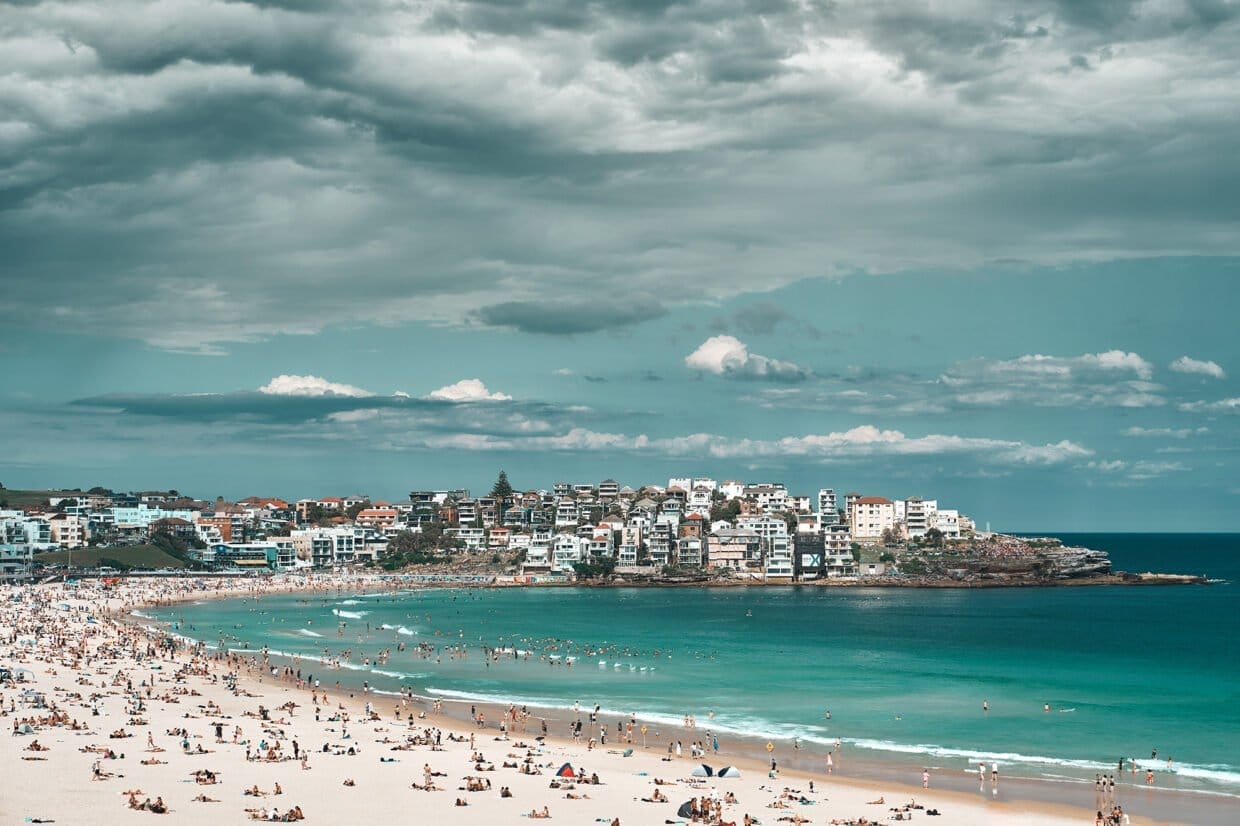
(474, 538)
(330, 547)
(699, 502)
(566, 551)
(690, 551)
(948, 521)
(918, 515)
(779, 558)
(566, 513)
(768, 496)
(828, 514)
(142, 516)
(767, 527)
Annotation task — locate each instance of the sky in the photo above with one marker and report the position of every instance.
(983, 252)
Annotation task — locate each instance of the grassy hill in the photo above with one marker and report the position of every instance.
(134, 556)
(25, 498)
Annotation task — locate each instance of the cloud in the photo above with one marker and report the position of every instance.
(289, 385)
(1139, 471)
(1231, 405)
(760, 319)
(1108, 379)
(729, 356)
(560, 164)
(1184, 364)
(468, 390)
(860, 442)
(1164, 432)
(569, 318)
(1114, 378)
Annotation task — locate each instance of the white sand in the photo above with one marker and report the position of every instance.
(81, 667)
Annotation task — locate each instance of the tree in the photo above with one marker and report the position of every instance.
(501, 490)
(726, 511)
(934, 538)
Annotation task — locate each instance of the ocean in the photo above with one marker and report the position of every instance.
(1127, 672)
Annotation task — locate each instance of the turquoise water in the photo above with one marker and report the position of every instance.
(903, 672)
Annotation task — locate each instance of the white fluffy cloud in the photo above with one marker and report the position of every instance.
(1185, 364)
(729, 356)
(468, 390)
(289, 385)
(1111, 360)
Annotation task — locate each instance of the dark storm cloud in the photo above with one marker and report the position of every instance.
(761, 318)
(287, 412)
(194, 173)
(565, 319)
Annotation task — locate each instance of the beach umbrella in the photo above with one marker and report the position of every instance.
(566, 771)
(686, 808)
(703, 770)
(729, 771)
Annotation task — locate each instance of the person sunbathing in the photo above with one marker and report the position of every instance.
(545, 813)
(154, 761)
(202, 798)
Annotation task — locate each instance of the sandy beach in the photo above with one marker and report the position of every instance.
(108, 721)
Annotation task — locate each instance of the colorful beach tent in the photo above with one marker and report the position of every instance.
(566, 771)
(729, 771)
(703, 770)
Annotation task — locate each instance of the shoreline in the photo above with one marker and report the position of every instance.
(1023, 806)
(1074, 794)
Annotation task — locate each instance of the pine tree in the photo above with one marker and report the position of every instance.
(502, 490)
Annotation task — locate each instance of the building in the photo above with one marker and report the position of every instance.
(827, 512)
(768, 496)
(21, 536)
(778, 562)
(69, 531)
(870, 516)
(331, 547)
(378, 518)
(734, 548)
(808, 557)
(142, 516)
(919, 515)
(949, 522)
